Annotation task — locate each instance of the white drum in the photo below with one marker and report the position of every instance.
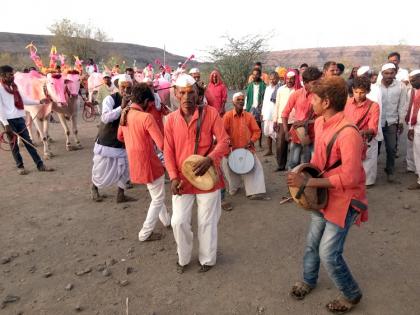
(241, 161)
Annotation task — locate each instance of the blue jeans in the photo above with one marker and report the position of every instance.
(296, 150)
(18, 125)
(325, 243)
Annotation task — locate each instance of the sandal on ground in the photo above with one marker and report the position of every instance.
(125, 198)
(342, 305)
(227, 206)
(180, 269)
(44, 168)
(154, 237)
(300, 290)
(259, 197)
(204, 268)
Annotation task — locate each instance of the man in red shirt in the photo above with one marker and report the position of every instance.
(347, 201)
(300, 100)
(364, 113)
(139, 131)
(180, 142)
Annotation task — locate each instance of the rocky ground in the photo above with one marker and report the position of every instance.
(61, 253)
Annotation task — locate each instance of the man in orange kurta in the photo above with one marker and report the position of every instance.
(364, 113)
(347, 203)
(180, 137)
(243, 131)
(139, 132)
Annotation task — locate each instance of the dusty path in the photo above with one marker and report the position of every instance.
(51, 231)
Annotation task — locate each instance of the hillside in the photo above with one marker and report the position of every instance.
(13, 45)
(355, 55)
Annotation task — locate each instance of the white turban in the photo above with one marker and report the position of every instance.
(122, 78)
(388, 66)
(184, 80)
(290, 74)
(194, 70)
(362, 70)
(237, 94)
(414, 72)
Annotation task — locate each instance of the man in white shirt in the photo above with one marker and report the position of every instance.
(110, 163)
(394, 108)
(267, 112)
(12, 116)
(414, 124)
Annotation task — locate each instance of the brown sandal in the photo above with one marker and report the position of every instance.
(342, 305)
(300, 290)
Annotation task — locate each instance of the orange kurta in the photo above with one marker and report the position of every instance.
(180, 140)
(355, 112)
(157, 115)
(349, 178)
(241, 129)
(139, 135)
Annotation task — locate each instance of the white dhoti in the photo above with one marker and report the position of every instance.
(208, 214)
(254, 181)
(157, 208)
(416, 153)
(411, 166)
(110, 166)
(370, 164)
(268, 129)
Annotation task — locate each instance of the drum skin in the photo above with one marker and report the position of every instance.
(205, 182)
(241, 161)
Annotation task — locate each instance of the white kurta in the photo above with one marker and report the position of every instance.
(110, 165)
(254, 181)
(208, 213)
(267, 112)
(370, 164)
(157, 209)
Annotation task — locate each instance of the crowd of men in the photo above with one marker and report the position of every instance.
(311, 115)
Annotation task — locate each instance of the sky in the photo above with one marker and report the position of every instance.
(187, 27)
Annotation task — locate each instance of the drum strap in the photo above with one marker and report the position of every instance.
(326, 167)
(198, 130)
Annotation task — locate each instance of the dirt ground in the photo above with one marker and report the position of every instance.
(55, 244)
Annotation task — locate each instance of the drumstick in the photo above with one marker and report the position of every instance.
(179, 185)
(286, 200)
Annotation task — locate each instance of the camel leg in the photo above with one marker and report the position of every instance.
(66, 130)
(43, 135)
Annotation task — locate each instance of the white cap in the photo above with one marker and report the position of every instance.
(106, 74)
(237, 94)
(388, 66)
(194, 70)
(414, 72)
(362, 70)
(290, 74)
(122, 78)
(184, 80)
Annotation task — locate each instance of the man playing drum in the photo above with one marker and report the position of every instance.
(243, 132)
(338, 153)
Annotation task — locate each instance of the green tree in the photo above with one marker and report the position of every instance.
(236, 58)
(81, 40)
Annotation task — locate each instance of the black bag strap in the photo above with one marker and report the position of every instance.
(329, 149)
(198, 130)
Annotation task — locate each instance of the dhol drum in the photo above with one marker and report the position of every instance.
(309, 198)
(241, 161)
(205, 182)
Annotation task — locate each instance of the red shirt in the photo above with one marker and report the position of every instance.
(180, 141)
(157, 115)
(301, 101)
(354, 112)
(138, 135)
(349, 178)
(216, 95)
(241, 129)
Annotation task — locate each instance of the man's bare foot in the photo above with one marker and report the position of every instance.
(94, 192)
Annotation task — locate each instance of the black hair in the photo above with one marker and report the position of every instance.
(341, 67)
(311, 74)
(129, 69)
(6, 69)
(275, 74)
(304, 65)
(141, 92)
(258, 63)
(334, 89)
(362, 82)
(395, 54)
(328, 64)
